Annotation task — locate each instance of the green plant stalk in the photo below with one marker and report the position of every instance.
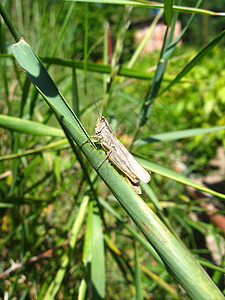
(166, 52)
(168, 8)
(158, 169)
(124, 25)
(176, 257)
(141, 46)
(85, 47)
(176, 135)
(106, 29)
(62, 144)
(9, 23)
(98, 276)
(139, 293)
(101, 68)
(75, 97)
(154, 4)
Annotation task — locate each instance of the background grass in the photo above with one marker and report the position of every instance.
(44, 196)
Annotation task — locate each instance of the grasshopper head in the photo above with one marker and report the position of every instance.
(100, 125)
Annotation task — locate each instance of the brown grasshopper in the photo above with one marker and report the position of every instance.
(119, 155)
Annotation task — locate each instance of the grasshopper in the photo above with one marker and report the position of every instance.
(119, 155)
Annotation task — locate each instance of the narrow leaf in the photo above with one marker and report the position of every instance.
(98, 256)
(51, 146)
(156, 168)
(29, 127)
(168, 11)
(176, 135)
(206, 50)
(153, 4)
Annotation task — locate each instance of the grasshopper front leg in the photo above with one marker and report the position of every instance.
(97, 137)
(90, 137)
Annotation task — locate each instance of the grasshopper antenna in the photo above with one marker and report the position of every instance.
(96, 105)
(101, 108)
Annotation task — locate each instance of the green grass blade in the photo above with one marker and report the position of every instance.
(4, 69)
(63, 28)
(168, 11)
(75, 97)
(205, 51)
(151, 195)
(98, 256)
(106, 48)
(160, 282)
(6, 205)
(9, 23)
(144, 40)
(211, 266)
(82, 290)
(99, 68)
(176, 257)
(86, 8)
(166, 52)
(87, 252)
(176, 135)
(156, 168)
(153, 4)
(117, 52)
(55, 284)
(62, 144)
(41, 79)
(137, 270)
(29, 127)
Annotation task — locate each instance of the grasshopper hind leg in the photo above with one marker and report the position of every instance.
(107, 156)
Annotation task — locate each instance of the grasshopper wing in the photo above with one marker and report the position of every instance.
(133, 164)
(118, 158)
